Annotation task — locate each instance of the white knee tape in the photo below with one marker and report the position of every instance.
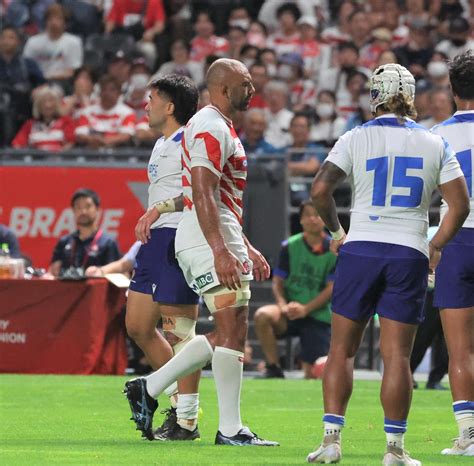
(219, 298)
(183, 328)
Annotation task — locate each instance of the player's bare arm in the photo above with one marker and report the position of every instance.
(205, 184)
(261, 268)
(456, 195)
(324, 184)
(143, 227)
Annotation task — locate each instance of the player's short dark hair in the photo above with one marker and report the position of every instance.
(304, 204)
(182, 92)
(461, 75)
(85, 192)
(289, 8)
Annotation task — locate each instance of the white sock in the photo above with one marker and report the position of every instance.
(464, 414)
(395, 440)
(227, 366)
(332, 429)
(172, 392)
(192, 357)
(187, 410)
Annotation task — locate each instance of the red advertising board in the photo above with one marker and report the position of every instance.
(35, 204)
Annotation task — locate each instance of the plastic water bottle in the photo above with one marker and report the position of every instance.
(5, 261)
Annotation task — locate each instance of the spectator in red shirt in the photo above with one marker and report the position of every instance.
(47, 130)
(144, 19)
(205, 43)
(260, 78)
(287, 37)
(108, 123)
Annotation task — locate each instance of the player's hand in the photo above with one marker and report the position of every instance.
(296, 311)
(94, 271)
(142, 230)
(261, 268)
(334, 245)
(228, 269)
(435, 256)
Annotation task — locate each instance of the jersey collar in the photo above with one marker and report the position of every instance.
(227, 120)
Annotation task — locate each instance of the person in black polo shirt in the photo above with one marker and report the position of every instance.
(88, 245)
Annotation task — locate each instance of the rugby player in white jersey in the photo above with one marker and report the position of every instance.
(216, 258)
(158, 288)
(454, 285)
(394, 165)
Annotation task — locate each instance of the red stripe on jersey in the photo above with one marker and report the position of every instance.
(228, 189)
(233, 133)
(239, 163)
(187, 202)
(239, 183)
(213, 149)
(184, 166)
(183, 145)
(228, 203)
(185, 182)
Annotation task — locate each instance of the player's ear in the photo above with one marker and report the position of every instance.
(170, 108)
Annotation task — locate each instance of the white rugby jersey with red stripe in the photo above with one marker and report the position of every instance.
(119, 119)
(210, 141)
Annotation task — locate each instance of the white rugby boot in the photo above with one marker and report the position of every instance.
(460, 448)
(395, 456)
(329, 451)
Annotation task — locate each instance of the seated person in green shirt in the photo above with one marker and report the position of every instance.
(302, 287)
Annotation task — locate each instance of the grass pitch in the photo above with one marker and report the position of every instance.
(84, 421)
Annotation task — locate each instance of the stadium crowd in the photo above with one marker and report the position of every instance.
(74, 73)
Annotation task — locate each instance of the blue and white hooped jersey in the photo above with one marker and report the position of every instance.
(164, 174)
(393, 167)
(458, 131)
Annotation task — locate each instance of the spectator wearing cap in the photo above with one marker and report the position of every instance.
(47, 130)
(253, 136)
(335, 79)
(416, 54)
(143, 19)
(334, 35)
(380, 42)
(181, 64)
(57, 52)
(205, 42)
(328, 126)
(260, 78)
(278, 116)
(286, 38)
(302, 91)
(441, 107)
(459, 38)
(119, 66)
(315, 55)
(109, 123)
(82, 94)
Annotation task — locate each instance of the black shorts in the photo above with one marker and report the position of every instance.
(314, 337)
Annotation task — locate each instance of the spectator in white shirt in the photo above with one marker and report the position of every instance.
(278, 116)
(57, 52)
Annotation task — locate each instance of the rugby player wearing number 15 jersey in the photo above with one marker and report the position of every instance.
(394, 165)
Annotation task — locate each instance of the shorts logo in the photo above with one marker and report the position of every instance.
(153, 287)
(204, 280)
